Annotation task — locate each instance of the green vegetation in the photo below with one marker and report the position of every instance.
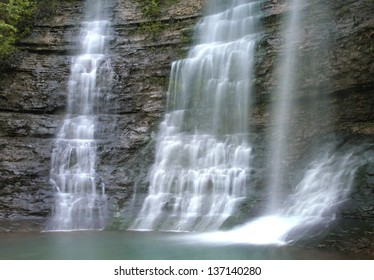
(17, 18)
(15, 21)
(152, 11)
(152, 8)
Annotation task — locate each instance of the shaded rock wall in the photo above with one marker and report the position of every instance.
(32, 103)
(335, 67)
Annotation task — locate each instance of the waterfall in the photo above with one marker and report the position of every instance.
(282, 104)
(202, 152)
(326, 181)
(325, 185)
(80, 201)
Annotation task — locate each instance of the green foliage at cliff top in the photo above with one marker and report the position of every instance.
(15, 21)
(152, 8)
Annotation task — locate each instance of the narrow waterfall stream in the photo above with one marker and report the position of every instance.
(284, 93)
(203, 153)
(80, 201)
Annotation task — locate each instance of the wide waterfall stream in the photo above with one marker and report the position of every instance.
(203, 154)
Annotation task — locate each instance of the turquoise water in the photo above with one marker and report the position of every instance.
(108, 245)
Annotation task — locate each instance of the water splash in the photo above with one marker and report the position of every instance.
(263, 231)
(80, 201)
(203, 155)
(324, 187)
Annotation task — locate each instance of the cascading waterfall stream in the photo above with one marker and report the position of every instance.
(80, 202)
(203, 154)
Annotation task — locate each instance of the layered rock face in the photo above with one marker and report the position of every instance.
(334, 60)
(32, 102)
(334, 96)
(33, 92)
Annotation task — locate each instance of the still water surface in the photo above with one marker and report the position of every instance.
(109, 245)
